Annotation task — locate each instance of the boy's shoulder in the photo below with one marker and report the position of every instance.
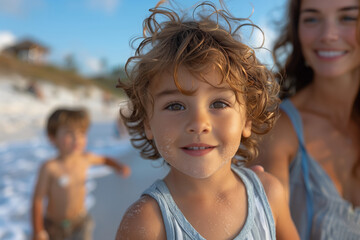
(91, 158)
(142, 220)
(50, 164)
(48, 168)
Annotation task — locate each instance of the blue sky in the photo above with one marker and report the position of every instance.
(94, 30)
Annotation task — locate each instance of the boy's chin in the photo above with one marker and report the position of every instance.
(76, 152)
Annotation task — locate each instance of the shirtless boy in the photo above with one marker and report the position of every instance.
(61, 180)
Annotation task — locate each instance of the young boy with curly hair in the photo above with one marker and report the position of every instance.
(199, 98)
(61, 180)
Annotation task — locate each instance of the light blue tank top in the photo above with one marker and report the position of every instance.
(318, 211)
(259, 223)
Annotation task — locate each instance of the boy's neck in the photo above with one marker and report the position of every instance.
(180, 184)
(69, 157)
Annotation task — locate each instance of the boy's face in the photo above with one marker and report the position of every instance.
(198, 134)
(70, 140)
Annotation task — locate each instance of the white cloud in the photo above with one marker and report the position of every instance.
(6, 39)
(265, 54)
(93, 65)
(106, 5)
(262, 42)
(12, 6)
(19, 7)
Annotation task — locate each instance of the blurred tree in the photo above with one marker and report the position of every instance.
(118, 72)
(70, 63)
(104, 66)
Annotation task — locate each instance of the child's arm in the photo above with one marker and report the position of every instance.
(39, 232)
(285, 228)
(142, 220)
(121, 168)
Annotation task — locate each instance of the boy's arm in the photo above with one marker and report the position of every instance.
(142, 220)
(120, 168)
(285, 228)
(39, 232)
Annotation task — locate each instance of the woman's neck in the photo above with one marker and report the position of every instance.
(331, 98)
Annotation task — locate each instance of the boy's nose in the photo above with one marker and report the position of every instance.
(199, 122)
(76, 136)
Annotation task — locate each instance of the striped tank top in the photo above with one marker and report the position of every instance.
(259, 223)
(318, 210)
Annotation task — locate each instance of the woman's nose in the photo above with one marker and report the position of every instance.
(329, 31)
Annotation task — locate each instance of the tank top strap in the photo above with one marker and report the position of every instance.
(176, 225)
(162, 196)
(256, 199)
(288, 107)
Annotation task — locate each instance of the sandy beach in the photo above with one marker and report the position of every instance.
(24, 146)
(113, 195)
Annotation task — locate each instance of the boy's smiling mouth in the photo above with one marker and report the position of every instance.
(197, 149)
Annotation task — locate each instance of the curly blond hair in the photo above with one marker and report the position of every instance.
(210, 37)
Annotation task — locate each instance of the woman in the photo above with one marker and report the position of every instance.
(314, 149)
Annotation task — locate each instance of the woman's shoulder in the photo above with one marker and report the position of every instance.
(272, 186)
(142, 220)
(274, 191)
(282, 140)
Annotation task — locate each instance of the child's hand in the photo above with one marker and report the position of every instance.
(257, 168)
(124, 171)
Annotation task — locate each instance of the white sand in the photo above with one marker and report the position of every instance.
(23, 116)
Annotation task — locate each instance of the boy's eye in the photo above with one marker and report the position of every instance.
(219, 105)
(175, 107)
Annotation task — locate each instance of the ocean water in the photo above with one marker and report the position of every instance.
(19, 163)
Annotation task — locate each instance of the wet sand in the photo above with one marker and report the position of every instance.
(113, 194)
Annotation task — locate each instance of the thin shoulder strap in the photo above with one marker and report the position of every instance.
(158, 195)
(295, 119)
(248, 176)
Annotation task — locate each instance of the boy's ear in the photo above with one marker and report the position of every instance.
(247, 129)
(148, 131)
(52, 140)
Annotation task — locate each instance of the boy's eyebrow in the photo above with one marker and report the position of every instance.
(176, 91)
(167, 92)
(312, 10)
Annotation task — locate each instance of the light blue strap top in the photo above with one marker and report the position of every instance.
(295, 118)
(259, 223)
(318, 210)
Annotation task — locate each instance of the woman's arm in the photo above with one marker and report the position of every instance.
(285, 228)
(277, 149)
(39, 232)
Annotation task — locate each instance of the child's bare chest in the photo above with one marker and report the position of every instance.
(66, 177)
